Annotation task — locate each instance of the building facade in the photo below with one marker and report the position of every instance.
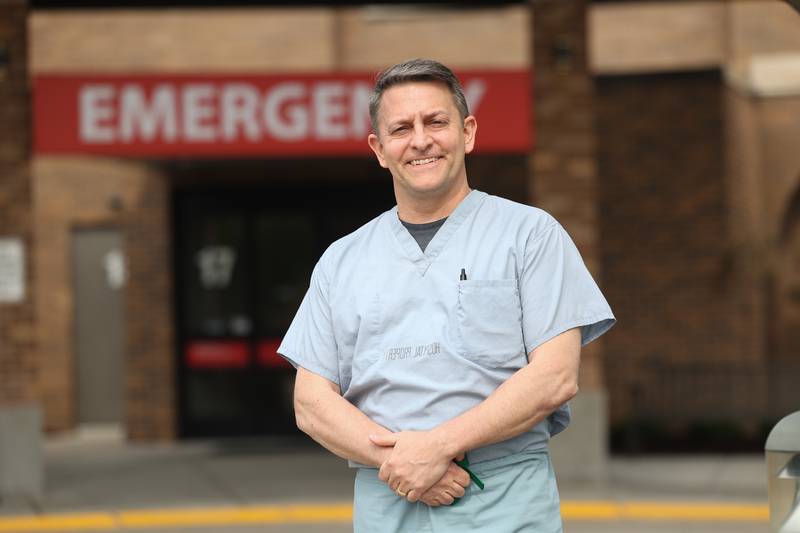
(166, 257)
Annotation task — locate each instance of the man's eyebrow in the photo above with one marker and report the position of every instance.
(435, 113)
(406, 120)
(398, 121)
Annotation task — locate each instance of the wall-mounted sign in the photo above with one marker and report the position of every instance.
(115, 269)
(225, 115)
(12, 270)
(216, 264)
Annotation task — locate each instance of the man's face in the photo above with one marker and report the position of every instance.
(421, 139)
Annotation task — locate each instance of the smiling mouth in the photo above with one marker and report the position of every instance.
(425, 161)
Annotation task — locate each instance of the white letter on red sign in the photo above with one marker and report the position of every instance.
(197, 110)
(359, 110)
(473, 92)
(96, 110)
(329, 111)
(239, 102)
(296, 127)
(141, 119)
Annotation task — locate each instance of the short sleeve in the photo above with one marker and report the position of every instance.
(310, 342)
(557, 291)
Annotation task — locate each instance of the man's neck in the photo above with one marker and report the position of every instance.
(416, 210)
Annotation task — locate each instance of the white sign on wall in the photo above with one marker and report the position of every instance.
(12, 270)
(116, 271)
(216, 266)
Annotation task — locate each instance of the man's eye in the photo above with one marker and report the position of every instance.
(399, 129)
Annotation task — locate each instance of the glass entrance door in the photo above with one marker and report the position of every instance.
(243, 264)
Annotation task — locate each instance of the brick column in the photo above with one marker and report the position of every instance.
(563, 182)
(564, 168)
(151, 410)
(18, 365)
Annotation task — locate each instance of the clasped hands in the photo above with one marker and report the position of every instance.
(418, 468)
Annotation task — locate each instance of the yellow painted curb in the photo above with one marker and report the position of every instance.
(59, 522)
(677, 511)
(589, 510)
(272, 514)
(289, 514)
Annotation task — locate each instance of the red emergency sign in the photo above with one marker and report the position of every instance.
(227, 115)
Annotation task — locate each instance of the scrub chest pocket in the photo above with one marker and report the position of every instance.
(490, 321)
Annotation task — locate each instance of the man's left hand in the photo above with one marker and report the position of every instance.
(416, 463)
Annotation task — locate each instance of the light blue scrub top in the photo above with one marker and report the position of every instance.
(412, 346)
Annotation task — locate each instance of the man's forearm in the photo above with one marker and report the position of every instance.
(335, 423)
(521, 402)
(524, 400)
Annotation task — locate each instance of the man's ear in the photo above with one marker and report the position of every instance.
(377, 147)
(470, 128)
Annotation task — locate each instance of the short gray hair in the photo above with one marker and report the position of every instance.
(416, 70)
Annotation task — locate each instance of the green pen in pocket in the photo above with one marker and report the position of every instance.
(464, 463)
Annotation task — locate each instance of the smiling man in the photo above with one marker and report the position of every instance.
(447, 328)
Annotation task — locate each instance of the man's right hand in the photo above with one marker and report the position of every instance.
(448, 488)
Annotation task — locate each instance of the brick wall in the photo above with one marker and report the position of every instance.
(747, 220)
(779, 121)
(686, 350)
(69, 193)
(151, 385)
(18, 365)
(563, 179)
(777, 250)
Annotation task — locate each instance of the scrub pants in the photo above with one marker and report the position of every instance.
(520, 496)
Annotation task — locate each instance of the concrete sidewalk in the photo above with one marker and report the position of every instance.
(104, 474)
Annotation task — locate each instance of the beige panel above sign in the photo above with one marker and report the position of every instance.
(634, 37)
(182, 40)
(374, 37)
(760, 27)
(276, 39)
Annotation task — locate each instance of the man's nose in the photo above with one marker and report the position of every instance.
(420, 140)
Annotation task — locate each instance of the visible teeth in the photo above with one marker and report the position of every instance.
(423, 161)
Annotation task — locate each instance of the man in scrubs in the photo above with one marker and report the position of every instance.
(448, 326)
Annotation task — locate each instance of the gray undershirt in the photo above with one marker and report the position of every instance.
(423, 233)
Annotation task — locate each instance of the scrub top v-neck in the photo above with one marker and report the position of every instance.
(425, 232)
(421, 259)
(412, 345)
